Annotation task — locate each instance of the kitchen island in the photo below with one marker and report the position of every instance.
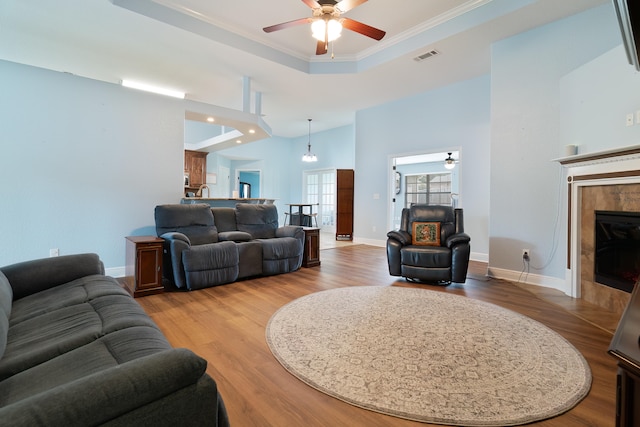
(224, 203)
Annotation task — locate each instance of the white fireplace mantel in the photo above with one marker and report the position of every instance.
(610, 167)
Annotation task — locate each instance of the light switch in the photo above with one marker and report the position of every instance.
(630, 119)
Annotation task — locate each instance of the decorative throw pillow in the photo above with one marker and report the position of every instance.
(426, 234)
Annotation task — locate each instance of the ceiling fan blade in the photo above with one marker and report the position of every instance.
(346, 5)
(321, 47)
(288, 24)
(313, 4)
(363, 29)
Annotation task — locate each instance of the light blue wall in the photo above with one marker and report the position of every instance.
(527, 72)
(454, 118)
(253, 179)
(280, 161)
(595, 100)
(82, 163)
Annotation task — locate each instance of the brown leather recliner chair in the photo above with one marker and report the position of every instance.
(430, 245)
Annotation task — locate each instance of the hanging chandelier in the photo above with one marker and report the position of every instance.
(308, 156)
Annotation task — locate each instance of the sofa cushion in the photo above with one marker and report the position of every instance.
(75, 292)
(261, 221)
(119, 376)
(194, 221)
(40, 338)
(225, 219)
(281, 255)
(210, 265)
(30, 277)
(426, 256)
(250, 258)
(103, 353)
(6, 297)
(234, 236)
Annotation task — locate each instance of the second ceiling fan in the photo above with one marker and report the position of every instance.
(327, 22)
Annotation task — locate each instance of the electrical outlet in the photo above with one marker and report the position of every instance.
(373, 228)
(630, 119)
(54, 252)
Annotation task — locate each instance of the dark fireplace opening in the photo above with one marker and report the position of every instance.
(617, 256)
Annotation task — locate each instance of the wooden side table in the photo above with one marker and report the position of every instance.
(143, 271)
(311, 257)
(625, 348)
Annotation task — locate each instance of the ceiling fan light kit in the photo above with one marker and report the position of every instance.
(449, 162)
(328, 30)
(327, 24)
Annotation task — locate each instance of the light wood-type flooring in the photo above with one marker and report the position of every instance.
(226, 325)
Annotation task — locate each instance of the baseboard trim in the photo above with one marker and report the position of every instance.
(370, 242)
(479, 257)
(115, 271)
(528, 278)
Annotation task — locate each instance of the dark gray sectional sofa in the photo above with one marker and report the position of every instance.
(77, 350)
(207, 246)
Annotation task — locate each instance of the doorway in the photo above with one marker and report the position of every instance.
(249, 183)
(422, 178)
(319, 187)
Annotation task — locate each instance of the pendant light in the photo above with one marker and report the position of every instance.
(449, 162)
(308, 156)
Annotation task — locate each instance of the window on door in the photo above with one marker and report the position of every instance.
(430, 189)
(320, 187)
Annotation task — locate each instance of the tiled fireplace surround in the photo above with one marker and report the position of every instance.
(607, 180)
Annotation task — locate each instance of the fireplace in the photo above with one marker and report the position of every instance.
(617, 249)
(599, 181)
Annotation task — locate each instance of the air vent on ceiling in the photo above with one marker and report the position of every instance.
(426, 55)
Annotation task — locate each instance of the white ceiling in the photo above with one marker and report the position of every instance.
(206, 48)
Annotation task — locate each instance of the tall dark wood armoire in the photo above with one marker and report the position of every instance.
(344, 208)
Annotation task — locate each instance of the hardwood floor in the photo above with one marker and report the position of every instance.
(226, 326)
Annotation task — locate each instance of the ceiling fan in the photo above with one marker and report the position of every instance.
(327, 23)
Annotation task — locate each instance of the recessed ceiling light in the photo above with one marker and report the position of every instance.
(238, 141)
(252, 131)
(211, 119)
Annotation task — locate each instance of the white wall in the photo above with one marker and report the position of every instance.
(455, 118)
(526, 133)
(82, 163)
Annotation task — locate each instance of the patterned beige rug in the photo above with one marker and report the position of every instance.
(428, 356)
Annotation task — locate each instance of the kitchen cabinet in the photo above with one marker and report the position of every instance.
(195, 168)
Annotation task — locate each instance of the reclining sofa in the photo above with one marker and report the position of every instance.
(205, 246)
(77, 350)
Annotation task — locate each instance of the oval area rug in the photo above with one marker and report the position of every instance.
(428, 356)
